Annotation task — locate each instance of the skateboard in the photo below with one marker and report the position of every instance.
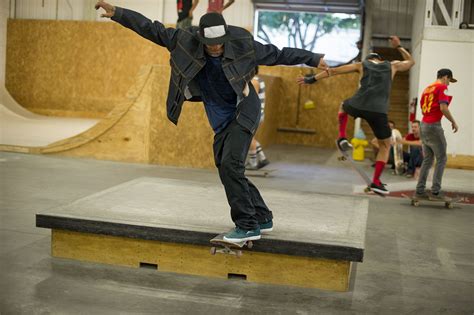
(259, 173)
(346, 156)
(225, 247)
(448, 203)
(398, 159)
(397, 153)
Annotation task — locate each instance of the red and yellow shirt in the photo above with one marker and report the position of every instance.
(215, 6)
(432, 97)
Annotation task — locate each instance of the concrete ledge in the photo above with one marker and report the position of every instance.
(265, 245)
(169, 223)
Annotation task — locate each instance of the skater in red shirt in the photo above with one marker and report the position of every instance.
(434, 105)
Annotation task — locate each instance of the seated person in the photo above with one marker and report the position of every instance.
(415, 156)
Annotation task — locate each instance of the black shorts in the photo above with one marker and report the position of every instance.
(378, 122)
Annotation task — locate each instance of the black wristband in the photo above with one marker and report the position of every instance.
(309, 79)
(399, 46)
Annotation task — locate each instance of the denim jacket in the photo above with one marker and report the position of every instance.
(241, 55)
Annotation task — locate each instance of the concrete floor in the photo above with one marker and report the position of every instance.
(417, 260)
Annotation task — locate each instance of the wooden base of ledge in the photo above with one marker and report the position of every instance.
(180, 258)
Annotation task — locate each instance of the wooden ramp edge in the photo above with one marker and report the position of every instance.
(133, 99)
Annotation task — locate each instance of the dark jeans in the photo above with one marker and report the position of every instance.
(415, 159)
(246, 204)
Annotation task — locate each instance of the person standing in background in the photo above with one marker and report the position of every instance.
(185, 12)
(218, 5)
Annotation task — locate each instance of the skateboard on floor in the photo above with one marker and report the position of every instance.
(448, 203)
(259, 173)
(225, 247)
(346, 156)
(399, 165)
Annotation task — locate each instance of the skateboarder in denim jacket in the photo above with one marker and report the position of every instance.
(370, 102)
(214, 63)
(434, 105)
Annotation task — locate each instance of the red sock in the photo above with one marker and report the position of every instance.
(379, 166)
(342, 124)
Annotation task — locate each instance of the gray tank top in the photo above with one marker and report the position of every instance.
(375, 86)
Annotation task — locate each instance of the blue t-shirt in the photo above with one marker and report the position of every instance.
(220, 100)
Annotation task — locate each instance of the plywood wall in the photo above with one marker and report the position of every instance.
(70, 68)
(326, 94)
(85, 69)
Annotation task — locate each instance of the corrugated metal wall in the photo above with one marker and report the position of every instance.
(391, 17)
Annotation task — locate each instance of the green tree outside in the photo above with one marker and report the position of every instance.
(303, 28)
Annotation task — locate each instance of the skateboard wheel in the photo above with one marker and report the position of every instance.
(416, 203)
(239, 253)
(449, 205)
(213, 250)
(366, 189)
(249, 244)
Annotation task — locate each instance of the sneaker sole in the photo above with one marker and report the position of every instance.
(385, 192)
(266, 230)
(238, 240)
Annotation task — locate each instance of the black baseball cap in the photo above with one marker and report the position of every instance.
(213, 29)
(446, 72)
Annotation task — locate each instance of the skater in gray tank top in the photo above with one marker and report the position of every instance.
(370, 102)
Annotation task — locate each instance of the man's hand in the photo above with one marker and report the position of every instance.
(300, 80)
(455, 127)
(109, 9)
(307, 79)
(394, 41)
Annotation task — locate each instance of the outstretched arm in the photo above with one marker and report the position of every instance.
(270, 55)
(353, 67)
(407, 62)
(153, 31)
(410, 142)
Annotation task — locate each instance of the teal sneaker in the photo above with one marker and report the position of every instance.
(239, 235)
(266, 227)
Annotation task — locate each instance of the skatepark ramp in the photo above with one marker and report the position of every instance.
(22, 128)
(144, 223)
(135, 130)
(81, 135)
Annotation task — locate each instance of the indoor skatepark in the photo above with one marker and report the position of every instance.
(108, 207)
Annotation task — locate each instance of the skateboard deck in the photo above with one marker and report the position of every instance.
(225, 247)
(346, 156)
(398, 159)
(448, 203)
(259, 173)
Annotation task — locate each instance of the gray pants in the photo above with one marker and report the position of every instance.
(185, 23)
(434, 145)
